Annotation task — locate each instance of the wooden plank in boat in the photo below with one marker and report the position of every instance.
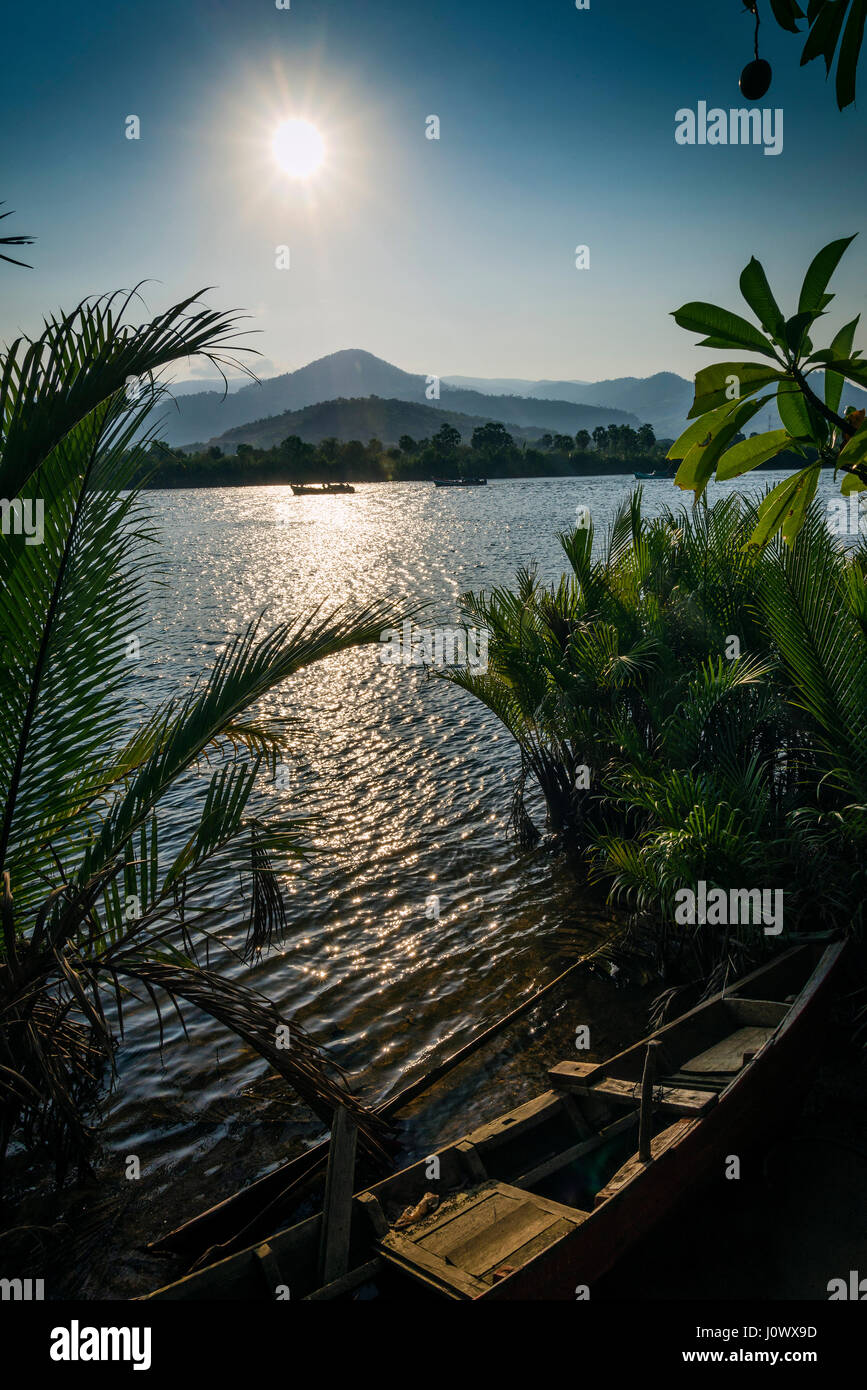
(269, 1268)
(731, 999)
(768, 1013)
(550, 1236)
(347, 1282)
(337, 1211)
(370, 1205)
(548, 1204)
(575, 1076)
(576, 1115)
(461, 1215)
(728, 1054)
(672, 1099)
(399, 1250)
(526, 1116)
(567, 1156)
(489, 1234)
(497, 1228)
(471, 1158)
(634, 1166)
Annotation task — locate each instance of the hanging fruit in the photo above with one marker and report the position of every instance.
(755, 79)
(756, 76)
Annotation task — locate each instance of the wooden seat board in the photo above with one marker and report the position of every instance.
(397, 1249)
(728, 1054)
(499, 1240)
(528, 1252)
(474, 1234)
(667, 1100)
(457, 1227)
(518, 1121)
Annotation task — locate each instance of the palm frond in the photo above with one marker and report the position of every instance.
(50, 384)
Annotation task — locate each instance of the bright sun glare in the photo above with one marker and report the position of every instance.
(298, 148)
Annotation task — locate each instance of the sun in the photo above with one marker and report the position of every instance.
(298, 148)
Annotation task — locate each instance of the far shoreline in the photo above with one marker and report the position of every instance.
(250, 478)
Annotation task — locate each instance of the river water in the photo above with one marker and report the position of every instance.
(413, 780)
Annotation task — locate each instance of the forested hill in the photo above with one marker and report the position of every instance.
(368, 417)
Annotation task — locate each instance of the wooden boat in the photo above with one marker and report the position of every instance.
(460, 482)
(320, 489)
(543, 1200)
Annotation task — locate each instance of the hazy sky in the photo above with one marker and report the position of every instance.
(448, 256)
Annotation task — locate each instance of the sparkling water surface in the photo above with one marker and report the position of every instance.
(413, 780)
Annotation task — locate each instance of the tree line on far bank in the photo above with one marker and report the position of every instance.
(491, 451)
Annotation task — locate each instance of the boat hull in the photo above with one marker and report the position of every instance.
(763, 1034)
(746, 1113)
(333, 490)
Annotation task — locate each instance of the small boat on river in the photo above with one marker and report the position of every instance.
(460, 482)
(320, 489)
(542, 1201)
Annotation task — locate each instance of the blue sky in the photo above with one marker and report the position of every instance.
(448, 256)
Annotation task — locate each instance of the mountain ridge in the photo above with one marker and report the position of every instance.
(527, 407)
(352, 374)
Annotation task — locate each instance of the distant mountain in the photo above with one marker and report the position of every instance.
(369, 417)
(511, 385)
(662, 400)
(353, 374)
(665, 400)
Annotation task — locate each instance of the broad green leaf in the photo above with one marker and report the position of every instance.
(793, 411)
(785, 506)
(795, 331)
(697, 468)
(693, 434)
(854, 369)
(750, 453)
(705, 427)
(852, 483)
(758, 294)
(800, 502)
(840, 348)
(786, 13)
(713, 383)
(855, 449)
(850, 49)
(824, 32)
(723, 328)
(821, 268)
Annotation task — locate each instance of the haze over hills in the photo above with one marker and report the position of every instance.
(352, 374)
(364, 418)
(662, 400)
(527, 408)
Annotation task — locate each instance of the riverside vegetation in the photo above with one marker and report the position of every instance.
(690, 702)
